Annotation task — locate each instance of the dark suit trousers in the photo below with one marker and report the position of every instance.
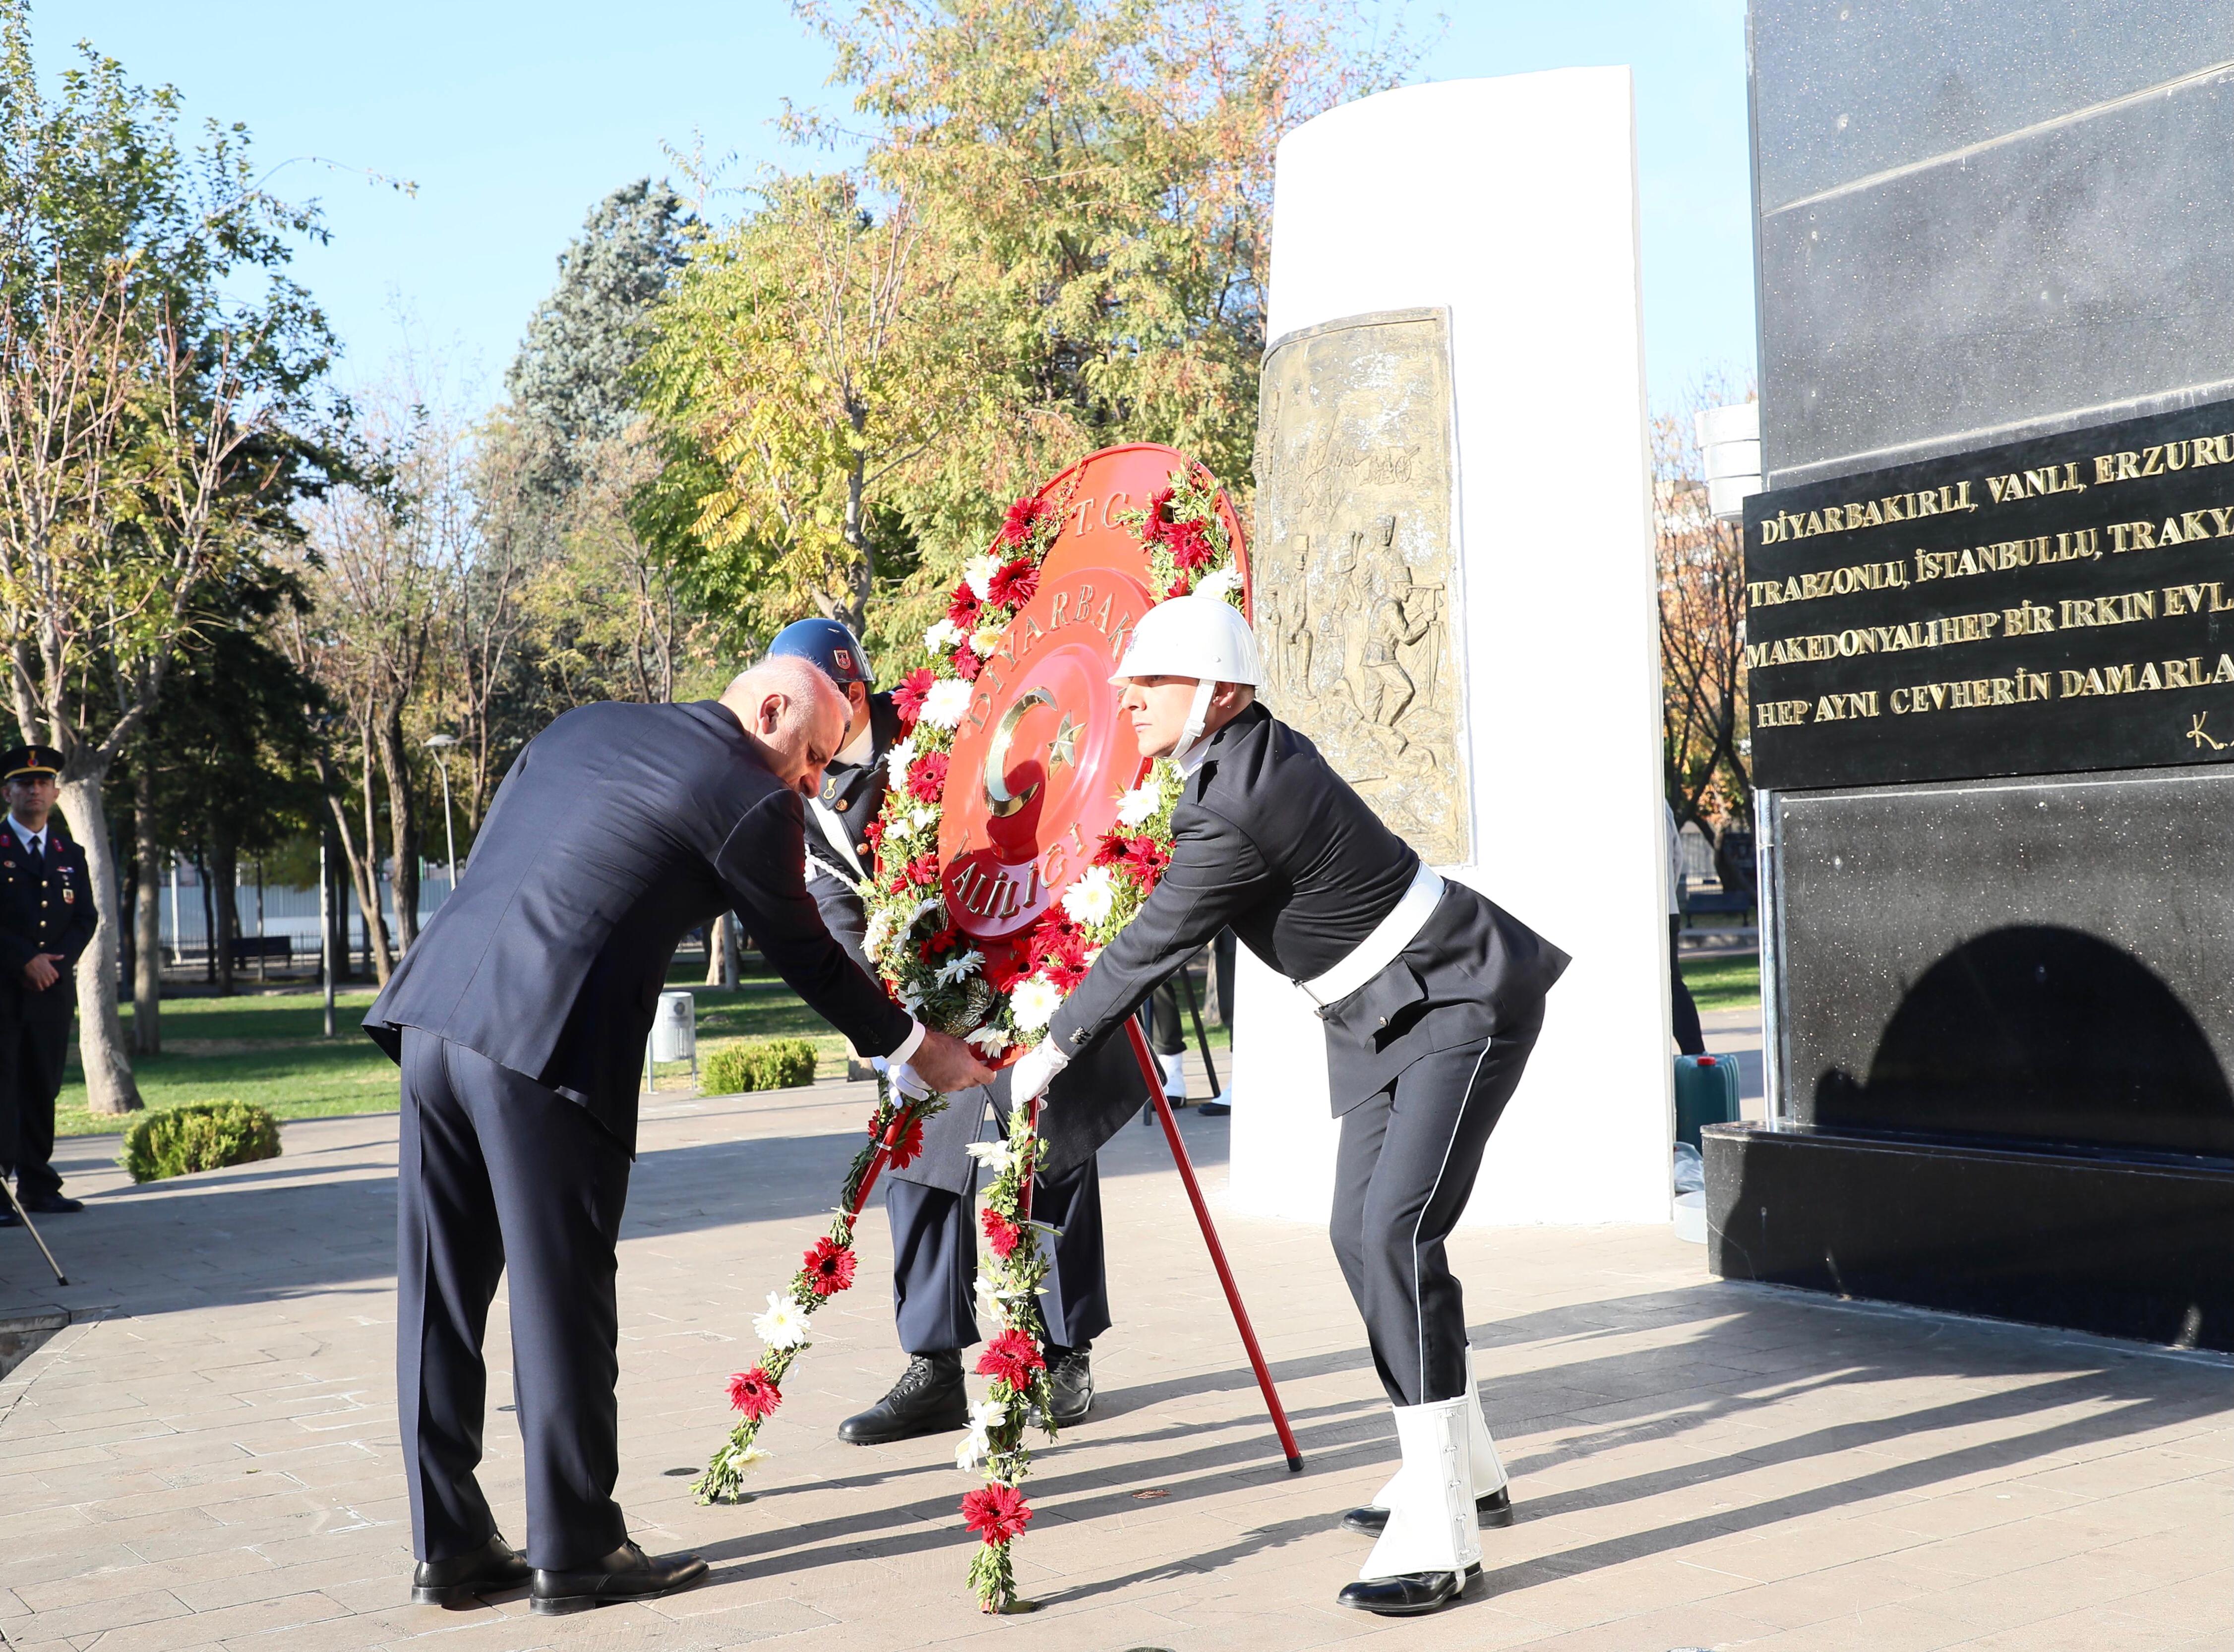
(35, 1029)
(496, 1170)
(1404, 1170)
(935, 1261)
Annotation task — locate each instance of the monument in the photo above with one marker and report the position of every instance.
(1991, 678)
(1452, 478)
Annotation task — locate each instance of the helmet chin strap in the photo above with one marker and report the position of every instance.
(1197, 715)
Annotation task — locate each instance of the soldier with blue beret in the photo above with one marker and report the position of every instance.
(46, 919)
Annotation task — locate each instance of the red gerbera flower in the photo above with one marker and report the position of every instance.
(829, 1267)
(961, 608)
(927, 777)
(1160, 513)
(996, 1513)
(1180, 587)
(933, 945)
(908, 1147)
(924, 869)
(908, 698)
(1190, 546)
(1014, 583)
(1002, 969)
(967, 665)
(1011, 1357)
(1001, 1234)
(754, 1393)
(1016, 526)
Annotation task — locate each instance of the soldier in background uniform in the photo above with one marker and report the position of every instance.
(1432, 999)
(928, 1200)
(46, 919)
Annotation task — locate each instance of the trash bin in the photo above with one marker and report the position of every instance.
(1706, 1092)
(675, 1031)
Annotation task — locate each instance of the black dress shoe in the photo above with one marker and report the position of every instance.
(489, 1570)
(1407, 1596)
(49, 1204)
(1070, 1375)
(628, 1573)
(929, 1399)
(1215, 1109)
(1493, 1509)
(8, 1216)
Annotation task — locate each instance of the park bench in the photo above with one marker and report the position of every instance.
(273, 949)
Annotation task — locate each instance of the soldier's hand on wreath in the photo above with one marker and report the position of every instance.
(909, 1082)
(41, 973)
(947, 1064)
(1034, 1071)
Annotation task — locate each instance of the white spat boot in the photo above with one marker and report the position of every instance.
(1493, 1497)
(1429, 1545)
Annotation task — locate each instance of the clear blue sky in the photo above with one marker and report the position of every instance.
(513, 118)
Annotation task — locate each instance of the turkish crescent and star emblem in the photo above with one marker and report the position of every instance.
(1042, 755)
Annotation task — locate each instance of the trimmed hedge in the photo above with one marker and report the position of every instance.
(759, 1064)
(202, 1135)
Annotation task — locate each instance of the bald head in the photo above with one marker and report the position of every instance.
(794, 714)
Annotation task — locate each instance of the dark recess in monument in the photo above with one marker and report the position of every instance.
(2036, 1035)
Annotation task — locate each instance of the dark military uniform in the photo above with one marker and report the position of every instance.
(46, 905)
(934, 1239)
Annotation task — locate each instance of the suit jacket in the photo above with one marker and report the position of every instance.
(1086, 1103)
(620, 829)
(1269, 839)
(48, 913)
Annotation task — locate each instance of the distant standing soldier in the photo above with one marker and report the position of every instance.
(46, 918)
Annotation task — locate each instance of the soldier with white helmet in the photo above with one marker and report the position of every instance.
(1432, 998)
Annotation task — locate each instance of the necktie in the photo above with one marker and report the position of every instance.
(38, 860)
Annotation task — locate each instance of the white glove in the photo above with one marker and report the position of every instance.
(907, 1080)
(1035, 1071)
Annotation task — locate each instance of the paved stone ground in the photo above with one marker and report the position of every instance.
(207, 1457)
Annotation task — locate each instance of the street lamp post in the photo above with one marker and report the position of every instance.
(440, 744)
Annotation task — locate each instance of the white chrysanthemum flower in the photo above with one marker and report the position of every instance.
(751, 1457)
(784, 1325)
(942, 707)
(1135, 807)
(971, 1450)
(1034, 1003)
(991, 1040)
(986, 1415)
(1090, 899)
(960, 968)
(977, 573)
(897, 759)
(924, 909)
(942, 637)
(985, 640)
(1219, 585)
(995, 1156)
(912, 1000)
(923, 819)
(879, 932)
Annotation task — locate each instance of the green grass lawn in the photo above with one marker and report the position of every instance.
(1724, 983)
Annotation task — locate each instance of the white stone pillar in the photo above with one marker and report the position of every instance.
(1510, 205)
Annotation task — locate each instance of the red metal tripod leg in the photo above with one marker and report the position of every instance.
(1217, 1251)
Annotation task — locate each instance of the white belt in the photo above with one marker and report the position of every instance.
(1379, 949)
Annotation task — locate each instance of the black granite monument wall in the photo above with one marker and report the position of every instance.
(1990, 632)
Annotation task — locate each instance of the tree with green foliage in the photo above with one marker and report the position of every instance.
(157, 372)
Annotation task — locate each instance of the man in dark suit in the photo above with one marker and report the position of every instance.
(1432, 998)
(46, 919)
(519, 1020)
(929, 1201)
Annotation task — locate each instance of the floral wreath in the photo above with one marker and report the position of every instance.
(999, 998)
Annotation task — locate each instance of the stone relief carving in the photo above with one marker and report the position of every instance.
(1354, 589)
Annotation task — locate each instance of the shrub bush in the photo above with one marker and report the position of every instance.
(203, 1135)
(759, 1064)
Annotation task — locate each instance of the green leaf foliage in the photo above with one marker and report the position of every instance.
(205, 1135)
(760, 1064)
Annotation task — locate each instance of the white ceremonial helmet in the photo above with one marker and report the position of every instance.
(1202, 637)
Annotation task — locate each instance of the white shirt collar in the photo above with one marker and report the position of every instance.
(857, 751)
(31, 839)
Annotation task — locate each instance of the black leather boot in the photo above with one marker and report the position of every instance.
(1412, 1595)
(628, 1573)
(489, 1570)
(929, 1399)
(1071, 1375)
